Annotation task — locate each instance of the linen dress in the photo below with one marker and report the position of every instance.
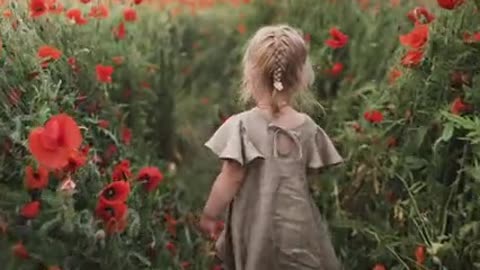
(273, 222)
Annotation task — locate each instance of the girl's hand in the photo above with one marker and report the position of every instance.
(208, 225)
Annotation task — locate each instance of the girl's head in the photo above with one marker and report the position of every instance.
(276, 66)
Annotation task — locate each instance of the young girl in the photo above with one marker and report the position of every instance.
(272, 222)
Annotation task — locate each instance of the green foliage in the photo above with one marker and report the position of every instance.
(385, 201)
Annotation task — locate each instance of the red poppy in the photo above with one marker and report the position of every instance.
(394, 75)
(417, 14)
(118, 60)
(52, 144)
(146, 85)
(412, 59)
(54, 7)
(115, 192)
(30, 210)
(137, 2)
(126, 135)
(152, 177)
(120, 32)
(420, 255)
(99, 12)
(46, 52)
(122, 171)
(110, 152)
(36, 179)
(379, 266)
(171, 224)
(417, 38)
(307, 37)
(471, 38)
(241, 28)
(20, 251)
(85, 1)
(170, 246)
(217, 267)
(72, 62)
(373, 116)
(185, 265)
(103, 124)
(450, 4)
(38, 8)
(337, 40)
(77, 159)
(104, 73)
(116, 226)
(7, 13)
(107, 211)
(458, 106)
(336, 69)
(76, 16)
(129, 14)
(392, 142)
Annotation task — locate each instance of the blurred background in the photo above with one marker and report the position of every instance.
(147, 82)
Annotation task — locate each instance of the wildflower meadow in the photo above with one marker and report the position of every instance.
(106, 104)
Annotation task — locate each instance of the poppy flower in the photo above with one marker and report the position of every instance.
(217, 267)
(52, 144)
(412, 59)
(420, 255)
(30, 210)
(241, 28)
(120, 32)
(394, 75)
(118, 60)
(110, 212)
(307, 37)
(20, 251)
(170, 246)
(137, 2)
(417, 38)
(379, 266)
(471, 38)
(373, 116)
(110, 152)
(171, 224)
(103, 124)
(54, 7)
(129, 14)
(38, 8)
(417, 14)
(392, 142)
(336, 69)
(75, 15)
(72, 62)
(85, 1)
(115, 192)
(7, 13)
(337, 40)
(104, 73)
(458, 106)
(116, 225)
(99, 12)
(357, 127)
(36, 179)
(126, 134)
(46, 52)
(122, 171)
(77, 159)
(450, 4)
(152, 176)
(185, 265)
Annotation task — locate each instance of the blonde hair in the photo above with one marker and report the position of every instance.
(276, 61)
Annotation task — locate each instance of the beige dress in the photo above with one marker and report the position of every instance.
(273, 222)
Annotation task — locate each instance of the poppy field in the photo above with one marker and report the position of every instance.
(106, 106)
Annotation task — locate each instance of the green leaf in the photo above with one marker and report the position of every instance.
(140, 257)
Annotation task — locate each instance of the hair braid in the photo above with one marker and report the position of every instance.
(279, 64)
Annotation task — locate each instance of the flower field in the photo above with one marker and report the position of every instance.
(106, 105)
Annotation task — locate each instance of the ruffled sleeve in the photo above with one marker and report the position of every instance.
(322, 152)
(230, 142)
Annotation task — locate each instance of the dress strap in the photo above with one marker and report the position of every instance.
(295, 136)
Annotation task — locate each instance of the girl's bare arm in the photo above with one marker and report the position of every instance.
(224, 188)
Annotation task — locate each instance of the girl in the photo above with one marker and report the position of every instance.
(272, 222)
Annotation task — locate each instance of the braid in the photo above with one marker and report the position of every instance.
(279, 64)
